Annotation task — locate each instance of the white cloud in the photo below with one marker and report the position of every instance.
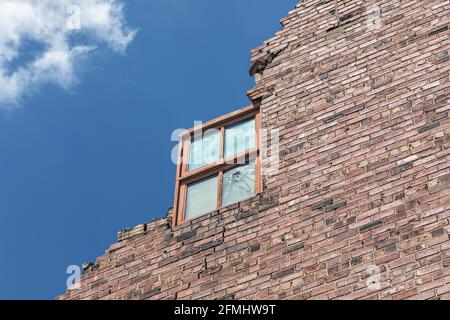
(56, 27)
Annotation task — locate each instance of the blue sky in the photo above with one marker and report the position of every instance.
(81, 163)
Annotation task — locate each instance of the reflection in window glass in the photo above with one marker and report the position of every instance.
(204, 151)
(201, 197)
(238, 184)
(240, 137)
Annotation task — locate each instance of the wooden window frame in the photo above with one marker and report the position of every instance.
(184, 177)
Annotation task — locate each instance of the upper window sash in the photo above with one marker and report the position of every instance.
(212, 153)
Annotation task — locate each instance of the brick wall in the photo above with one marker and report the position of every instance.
(360, 206)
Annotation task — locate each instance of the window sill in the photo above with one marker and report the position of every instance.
(219, 211)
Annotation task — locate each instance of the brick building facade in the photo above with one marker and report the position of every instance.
(360, 205)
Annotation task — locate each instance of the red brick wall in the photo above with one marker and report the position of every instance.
(364, 179)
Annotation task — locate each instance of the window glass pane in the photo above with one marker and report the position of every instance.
(240, 137)
(204, 151)
(201, 197)
(238, 184)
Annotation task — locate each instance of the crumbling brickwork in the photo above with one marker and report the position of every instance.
(360, 205)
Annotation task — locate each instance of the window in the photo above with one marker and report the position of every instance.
(218, 165)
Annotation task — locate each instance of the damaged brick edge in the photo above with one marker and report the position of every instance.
(259, 65)
(141, 229)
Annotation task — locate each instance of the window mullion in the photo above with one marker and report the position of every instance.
(182, 208)
(258, 173)
(219, 190)
(221, 158)
(222, 144)
(186, 156)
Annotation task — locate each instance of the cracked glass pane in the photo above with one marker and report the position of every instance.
(238, 184)
(240, 137)
(201, 197)
(204, 151)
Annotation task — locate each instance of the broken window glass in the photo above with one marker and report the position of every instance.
(204, 150)
(240, 137)
(238, 184)
(201, 197)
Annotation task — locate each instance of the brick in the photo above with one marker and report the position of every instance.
(211, 244)
(430, 126)
(405, 294)
(437, 232)
(322, 204)
(187, 235)
(283, 273)
(335, 206)
(402, 168)
(125, 260)
(247, 278)
(99, 283)
(437, 31)
(427, 253)
(446, 263)
(370, 226)
(151, 293)
(388, 258)
(443, 289)
(293, 248)
(210, 271)
(227, 297)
